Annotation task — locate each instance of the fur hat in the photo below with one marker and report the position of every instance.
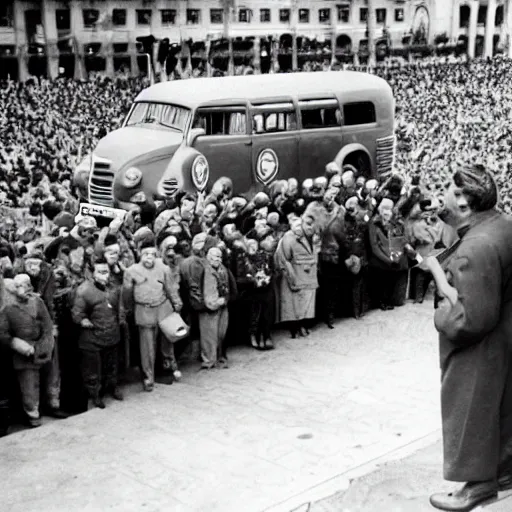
(110, 239)
(87, 222)
(332, 169)
(64, 220)
(142, 235)
(168, 243)
(147, 244)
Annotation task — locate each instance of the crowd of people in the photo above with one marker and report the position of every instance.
(227, 267)
(86, 302)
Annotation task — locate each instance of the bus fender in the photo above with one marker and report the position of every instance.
(347, 150)
(189, 168)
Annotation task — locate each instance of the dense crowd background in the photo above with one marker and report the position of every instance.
(328, 247)
(445, 112)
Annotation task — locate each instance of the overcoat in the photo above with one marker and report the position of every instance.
(475, 340)
(297, 259)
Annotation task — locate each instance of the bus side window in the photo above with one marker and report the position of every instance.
(200, 122)
(275, 119)
(257, 124)
(359, 113)
(320, 118)
(237, 123)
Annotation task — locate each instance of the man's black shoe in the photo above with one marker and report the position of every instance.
(505, 481)
(466, 498)
(99, 403)
(166, 378)
(57, 413)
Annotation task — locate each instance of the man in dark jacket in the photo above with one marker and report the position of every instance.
(475, 334)
(332, 275)
(43, 283)
(26, 326)
(97, 311)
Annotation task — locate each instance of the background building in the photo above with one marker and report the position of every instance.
(70, 37)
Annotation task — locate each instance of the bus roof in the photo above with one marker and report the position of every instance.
(201, 91)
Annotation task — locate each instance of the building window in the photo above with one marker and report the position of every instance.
(63, 19)
(265, 15)
(244, 16)
(381, 15)
(120, 47)
(6, 15)
(498, 20)
(359, 113)
(324, 15)
(216, 16)
(168, 16)
(343, 13)
(303, 15)
(363, 14)
(284, 15)
(482, 14)
(90, 17)
(119, 17)
(464, 14)
(193, 16)
(399, 15)
(143, 17)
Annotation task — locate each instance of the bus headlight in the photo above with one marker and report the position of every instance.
(132, 177)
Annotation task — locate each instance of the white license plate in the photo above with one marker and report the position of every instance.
(95, 210)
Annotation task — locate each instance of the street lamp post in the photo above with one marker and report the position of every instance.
(150, 69)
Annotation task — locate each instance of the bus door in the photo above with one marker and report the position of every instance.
(275, 141)
(321, 136)
(226, 143)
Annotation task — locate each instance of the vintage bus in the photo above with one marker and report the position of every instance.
(253, 129)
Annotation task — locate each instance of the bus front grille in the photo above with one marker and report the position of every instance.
(101, 184)
(385, 154)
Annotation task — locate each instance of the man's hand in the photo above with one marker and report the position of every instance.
(86, 324)
(222, 301)
(115, 225)
(55, 331)
(448, 292)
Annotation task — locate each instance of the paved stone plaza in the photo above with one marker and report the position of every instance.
(248, 438)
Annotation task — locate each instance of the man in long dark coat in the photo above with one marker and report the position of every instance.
(475, 340)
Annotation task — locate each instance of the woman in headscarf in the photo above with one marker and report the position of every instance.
(296, 258)
(388, 264)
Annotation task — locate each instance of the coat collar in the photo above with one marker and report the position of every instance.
(305, 243)
(475, 220)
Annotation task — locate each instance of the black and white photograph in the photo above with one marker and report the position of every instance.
(255, 255)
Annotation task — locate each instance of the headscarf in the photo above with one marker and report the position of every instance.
(198, 242)
(87, 222)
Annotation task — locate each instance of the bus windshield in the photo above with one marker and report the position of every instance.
(162, 114)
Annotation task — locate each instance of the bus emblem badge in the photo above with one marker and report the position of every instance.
(200, 172)
(267, 166)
